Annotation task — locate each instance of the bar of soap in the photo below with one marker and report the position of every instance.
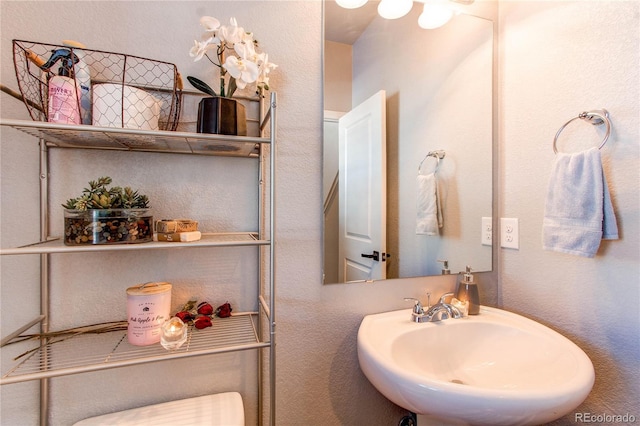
(183, 237)
(167, 226)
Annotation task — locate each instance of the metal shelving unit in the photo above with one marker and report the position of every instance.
(92, 352)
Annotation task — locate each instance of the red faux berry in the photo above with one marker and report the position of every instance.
(202, 322)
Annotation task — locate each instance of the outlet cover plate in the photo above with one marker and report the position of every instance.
(486, 233)
(509, 233)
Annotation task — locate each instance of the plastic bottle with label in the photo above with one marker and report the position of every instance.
(82, 76)
(63, 95)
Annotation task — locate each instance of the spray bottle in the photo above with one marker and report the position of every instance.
(64, 99)
(82, 77)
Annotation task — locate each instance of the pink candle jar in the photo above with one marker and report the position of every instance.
(148, 307)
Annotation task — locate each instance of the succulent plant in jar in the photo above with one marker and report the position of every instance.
(103, 215)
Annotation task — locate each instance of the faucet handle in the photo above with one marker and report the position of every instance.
(444, 297)
(417, 307)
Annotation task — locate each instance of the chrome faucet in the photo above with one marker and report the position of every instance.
(438, 312)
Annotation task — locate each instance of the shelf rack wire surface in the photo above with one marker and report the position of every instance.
(92, 352)
(105, 138)
(227, 239)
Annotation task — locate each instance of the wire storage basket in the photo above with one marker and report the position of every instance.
(69, 85)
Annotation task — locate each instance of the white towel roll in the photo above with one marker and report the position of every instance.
(428, 209)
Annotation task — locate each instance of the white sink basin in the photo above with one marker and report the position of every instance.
(496, 368)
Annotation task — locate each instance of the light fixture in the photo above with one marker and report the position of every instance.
(394, 9)
(351, 4)
(434, 15)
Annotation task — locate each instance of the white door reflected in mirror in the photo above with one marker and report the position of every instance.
(362, 192)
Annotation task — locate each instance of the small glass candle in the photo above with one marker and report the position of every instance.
(174, 333)
(462, 306)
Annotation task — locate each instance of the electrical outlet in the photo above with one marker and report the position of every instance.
(509, 235)
(486, 233)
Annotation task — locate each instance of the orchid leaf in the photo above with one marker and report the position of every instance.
(201, 85)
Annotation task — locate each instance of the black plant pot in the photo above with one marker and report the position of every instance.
(224, 116)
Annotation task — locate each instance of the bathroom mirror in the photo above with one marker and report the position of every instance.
(438, 91)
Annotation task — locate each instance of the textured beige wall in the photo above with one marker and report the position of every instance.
(557, 60)
(554, 64)
(338, 70)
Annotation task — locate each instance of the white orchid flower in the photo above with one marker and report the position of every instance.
(246, 50)
(236, 52)
(232, 33)
(264, 66)
(263, 74)
(209, 23)
(200, 49)
(211, 26)
(243, 70)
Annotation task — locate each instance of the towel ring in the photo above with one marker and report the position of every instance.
(438, 155)
(595, 117)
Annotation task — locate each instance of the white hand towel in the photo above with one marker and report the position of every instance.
(429, 211)
(578, 211)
